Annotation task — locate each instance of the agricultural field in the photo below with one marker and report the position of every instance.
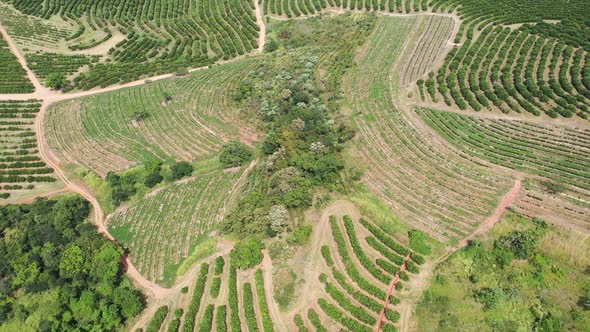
(221, 298)
(296, 8)
(361, 272)
(425, 184)
(182, 119)
(136, 42)
(162, 229)
(22, 172)
(295, 165)
(13, 78)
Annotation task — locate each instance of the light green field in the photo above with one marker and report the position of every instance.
(163, 229)
(105, 133)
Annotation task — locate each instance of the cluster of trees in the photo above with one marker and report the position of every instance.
(235, 154)
(246, 254)
(57, 273)
(301, 150)
(125, 185)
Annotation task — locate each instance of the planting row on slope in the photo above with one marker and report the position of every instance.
(426, 185)
(187, 119)
(154, 36)
(21, 168)
(514, 70)
(162, 229)
(13, 78)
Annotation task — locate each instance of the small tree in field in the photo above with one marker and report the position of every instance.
(55, 81)
(234, 154)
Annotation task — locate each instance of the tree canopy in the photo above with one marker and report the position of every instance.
(57, 273)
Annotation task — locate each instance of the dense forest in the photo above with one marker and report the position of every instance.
(57, 273)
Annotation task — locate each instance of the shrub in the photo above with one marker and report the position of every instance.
(181, 169)
(234, 154)
(246, 254)
(55, 81)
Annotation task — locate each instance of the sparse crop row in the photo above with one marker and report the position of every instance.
(167, 225)
(547, 151)
(444, 196)
(183, 119)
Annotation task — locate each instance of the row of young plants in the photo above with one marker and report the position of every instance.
(13, 78)
(43, 63)
(189, 324)
(548, 154)
(296, 8)
(20, 165)
(267, 323)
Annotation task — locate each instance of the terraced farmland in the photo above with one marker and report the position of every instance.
(13, 78)
(22, 172)
(222, 298)
(424, 183)
(183, 118)
(162, 229)
(153, 37)
(433, 41)
(557, 153)
(295, 8)
(514, 70)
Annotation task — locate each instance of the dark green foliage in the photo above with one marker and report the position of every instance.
(523, 244)
(181, 169)
(54, 251)
(153, 179)
(55, 81)
(157, 319)
(267, 324)
(235, 153)
(219, 264)
(193, 308)
(249, 308)
(221, 319)
(246, 254)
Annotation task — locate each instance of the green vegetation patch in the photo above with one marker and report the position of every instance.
(518, 278)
